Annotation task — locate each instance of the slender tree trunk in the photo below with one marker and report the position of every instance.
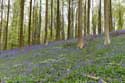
(88, 17)
(72, 19)
(1, 24)
(33, 24)
(51, 27)
(110, 16)
(106, 21)
(39, 26)
(99, 18)
(21, 24)
(29, 26)
(46, 24)
(80, 25)
(58, 21)
(6, 28)
(76, 24)
(69, 20)
(63, 23)
(85, 20)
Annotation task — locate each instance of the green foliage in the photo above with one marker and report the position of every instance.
(64, 63)
(118, 13)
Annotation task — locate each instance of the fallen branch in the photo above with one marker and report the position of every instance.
(96, 78)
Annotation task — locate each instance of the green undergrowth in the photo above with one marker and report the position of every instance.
(65, 63)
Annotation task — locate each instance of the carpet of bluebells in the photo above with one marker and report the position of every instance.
(63, 62)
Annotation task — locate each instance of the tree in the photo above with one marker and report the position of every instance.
(39, 26)
(21, 39)
(85, 20)
(106, 21)
(1, 24)
(80, 25)
(29, 26)
(110, 16)
(58, 21)
(69, 20)
(88, 17)
(99, 18)
(6, 28)
(62, 21)
(46, 24)
(51, 27)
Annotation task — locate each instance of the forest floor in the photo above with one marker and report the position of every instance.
(63, 62)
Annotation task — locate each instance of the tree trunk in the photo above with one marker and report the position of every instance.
(63, 23)
(88, 17)
(76, 23)
(106, 21)
(51, 27)
(46, 24)
(110, 16)
(85, 20)
(69, 20)
(39, 26)
(29, 26)
(6, 28)
(58, 21)
(1, 24)
(99, 18)
(21, 23)
(80, 25)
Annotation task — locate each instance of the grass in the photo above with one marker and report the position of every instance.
(65, 63)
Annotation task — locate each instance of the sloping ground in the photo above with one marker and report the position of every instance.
(64, 63)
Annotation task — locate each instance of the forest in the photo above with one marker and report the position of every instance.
(62, 41)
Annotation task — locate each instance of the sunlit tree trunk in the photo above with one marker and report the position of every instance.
(80, 24)
(63, 22)
(106, 21)
(76, 23)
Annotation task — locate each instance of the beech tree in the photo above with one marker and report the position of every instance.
(46, 23)
(6, 28)
(1, 24)
(21, 38)
(106, 21)
(29, 26)
(81, 43)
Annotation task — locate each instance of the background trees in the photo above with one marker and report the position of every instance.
(31, 22)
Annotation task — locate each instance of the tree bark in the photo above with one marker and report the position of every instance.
(106, 21)
(80, 25)
(1, 24)
(29, 26)
(46, 24)
(21, 43)
(88, 17)
(58, 21)
(99, 18)
(6, 28)
(69, 20)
